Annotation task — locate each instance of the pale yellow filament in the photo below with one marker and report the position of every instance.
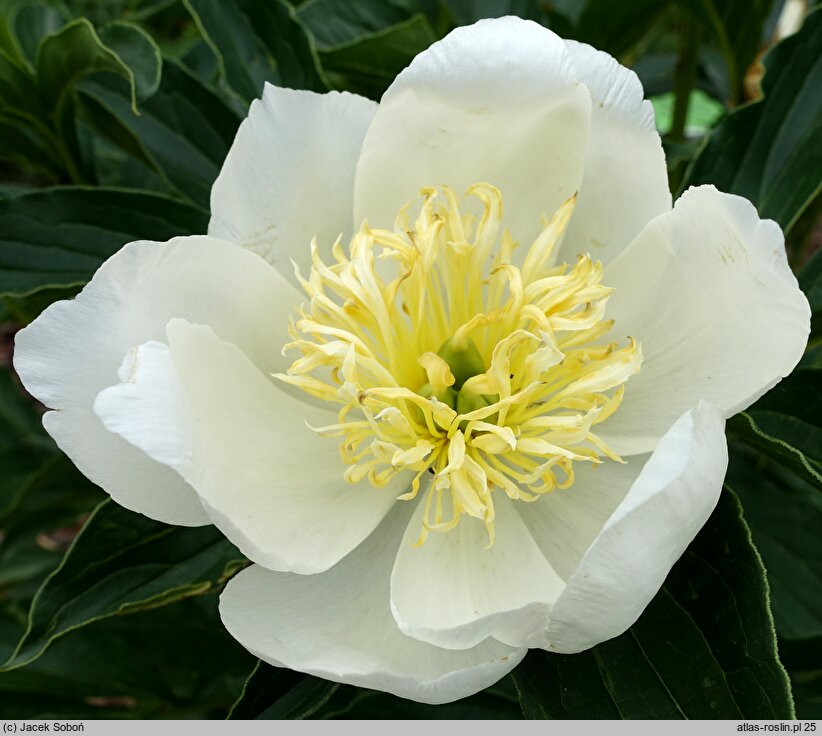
(370, 339)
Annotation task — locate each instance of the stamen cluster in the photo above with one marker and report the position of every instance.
(449, 355)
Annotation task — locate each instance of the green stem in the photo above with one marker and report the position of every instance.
(684, 77)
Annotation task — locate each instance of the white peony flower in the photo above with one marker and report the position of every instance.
(464, 428)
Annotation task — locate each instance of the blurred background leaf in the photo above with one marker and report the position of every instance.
(257, 41)
(182, 133)
(120, 563)
(275, 693)
(43, 501)
(350, 36)
(59, 237)
(785, 515)
(786, 424)
(171, 662)
(768, 151)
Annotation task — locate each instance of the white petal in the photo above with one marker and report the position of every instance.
(149, 407)
(497, 102)
(564, 522)
(290, 174)
(131, 477)
(274, 487)
(707, 291)
(454, 591)
(626, 181)
(74, 349)
(338, 625)
(625, 566)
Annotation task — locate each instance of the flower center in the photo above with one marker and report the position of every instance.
(446, 358)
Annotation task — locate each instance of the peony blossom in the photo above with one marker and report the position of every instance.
(450, 370)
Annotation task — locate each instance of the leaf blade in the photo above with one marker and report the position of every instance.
(122, 562)
(762, 146)
(695, 658)
(60, 236)
(257, 42)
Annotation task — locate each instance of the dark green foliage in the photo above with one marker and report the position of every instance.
(785, 515)
(768, 151)
(786, 424)
(94, 223)
(171, 662)
(121, 563)
(257, 41)
(274, 693)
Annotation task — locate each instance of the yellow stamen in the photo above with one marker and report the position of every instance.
(458, 364)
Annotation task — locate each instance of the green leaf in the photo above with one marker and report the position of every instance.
(201, 61)
(39, 487)
(183, 132)
(26, 137)
(21, 145)
(25, 309)
(813, 355)
(704, 647)
(19, 423)
(47, 499)
(9, 45)
(60, 236)
(768, 151)
(736, 25)
(101, 12)
(173, 662)
(803, 660)
(465, 12)
(275, 693)
(11, 629)
(786, 424)
(351, 66)
(75, 51)
(810, 281)
(785, 516)
(618, 32)
(30, 22)
(41, 98)
(333, 23)
(122, 562)
(257, 41)
(363, 46)
(23, 23)
(42, 498)
(138, 52)
(18, 91)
